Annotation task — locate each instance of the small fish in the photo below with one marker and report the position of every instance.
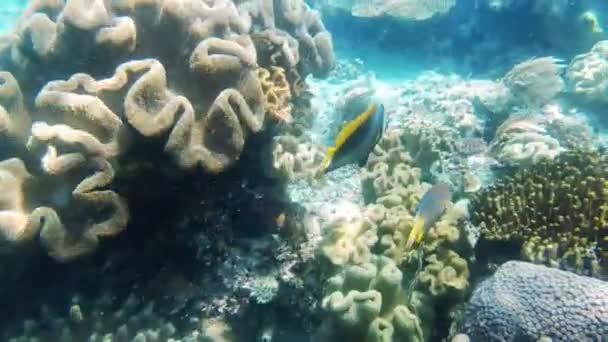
(470, 146)
(355, 140)
(280, 220)
(429, 209)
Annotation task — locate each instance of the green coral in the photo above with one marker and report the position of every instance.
(556, 211)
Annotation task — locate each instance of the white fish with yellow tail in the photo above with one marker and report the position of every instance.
(355, 140)
(429, 209)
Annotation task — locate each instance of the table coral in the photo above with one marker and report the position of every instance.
(587, 74)
(555, 210)
(523, 301)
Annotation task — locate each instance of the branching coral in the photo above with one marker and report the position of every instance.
(535, 82)
(557, 211)
(587, 74)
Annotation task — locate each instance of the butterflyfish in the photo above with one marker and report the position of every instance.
(429, 209)
(355, 140)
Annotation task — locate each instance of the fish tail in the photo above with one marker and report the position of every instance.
(326, 161)
(416, 233)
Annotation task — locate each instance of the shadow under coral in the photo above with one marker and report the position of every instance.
(160, 256)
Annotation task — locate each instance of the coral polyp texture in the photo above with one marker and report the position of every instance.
(86, 80)
(377, 294)
(587, 74)
(524, 302)
(535, 82)
(557, 211)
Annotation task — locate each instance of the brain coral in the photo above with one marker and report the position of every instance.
(557, 211)
(587, 74)
(523, 302)
(85, 80)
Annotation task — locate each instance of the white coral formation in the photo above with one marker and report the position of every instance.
(400, 9)
(524, 140)
(536, 81)
(587, 74)
(294, 157)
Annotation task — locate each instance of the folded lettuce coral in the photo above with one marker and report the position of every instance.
(87, 80)
(14, 118)
(555, 211)
(15, 225)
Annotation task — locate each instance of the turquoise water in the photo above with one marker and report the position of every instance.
(165, 171)
(9, 12)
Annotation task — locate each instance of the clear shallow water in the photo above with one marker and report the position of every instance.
(250, 243)
(10, 10)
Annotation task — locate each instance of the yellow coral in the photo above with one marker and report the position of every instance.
(277, 93)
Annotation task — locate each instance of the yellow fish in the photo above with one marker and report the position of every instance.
(429, 209)
(355, 141)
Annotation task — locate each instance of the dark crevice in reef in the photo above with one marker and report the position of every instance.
(168, 207)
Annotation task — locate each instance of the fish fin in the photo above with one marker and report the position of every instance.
(351, 127)
(326, 161)
(416, 233)
(379, 134)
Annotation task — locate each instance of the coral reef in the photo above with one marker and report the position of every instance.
(294, 157)
(523, 301)
(556, 211)
(204, 94)
(523, 140)
(403, 10)
(535, 82)
(375, 295)
(587, 74)
(101, 320)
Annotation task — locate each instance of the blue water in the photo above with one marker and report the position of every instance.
(10, 10)
(230, 230)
